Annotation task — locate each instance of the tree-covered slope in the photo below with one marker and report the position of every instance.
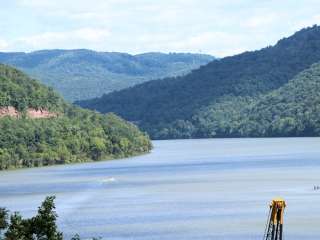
(291, 110)
(167, 108)
(19, 91)
(72, 135)
(83, 74)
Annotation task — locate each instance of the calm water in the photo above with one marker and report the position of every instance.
(186, 189)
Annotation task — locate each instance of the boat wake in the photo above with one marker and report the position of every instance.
(109, 180)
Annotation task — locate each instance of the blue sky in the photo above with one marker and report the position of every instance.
(217, 27)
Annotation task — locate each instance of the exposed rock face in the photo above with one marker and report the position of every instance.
(9, 111)
(41, 113)
(31, 113)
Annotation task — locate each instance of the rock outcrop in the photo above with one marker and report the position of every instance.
(40, 113)
(9, 111)
(30, 113)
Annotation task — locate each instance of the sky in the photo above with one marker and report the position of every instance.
(217, 27)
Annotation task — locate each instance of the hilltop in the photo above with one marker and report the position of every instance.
(82, 74)
(39, 128)
(178, 107)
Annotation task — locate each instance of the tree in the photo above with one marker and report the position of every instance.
(44, 223)
(19, 229)
(3, 219)
(41, 227)
(76, 237)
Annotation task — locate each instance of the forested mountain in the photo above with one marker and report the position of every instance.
(291, 110)
(39, 128)
(82, 74)
(202, 103)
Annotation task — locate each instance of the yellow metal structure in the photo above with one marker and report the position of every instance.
(274, 228)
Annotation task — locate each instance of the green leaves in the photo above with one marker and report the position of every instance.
(41, 227)
(44, 223)
(41, 142)
(21, 92)
(3, 219)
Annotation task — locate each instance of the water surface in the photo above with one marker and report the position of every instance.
(184, 189)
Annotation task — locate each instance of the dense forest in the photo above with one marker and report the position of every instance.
(19, 91)
(82, 74)
(291, 110)
(213, 100)
(74, 135)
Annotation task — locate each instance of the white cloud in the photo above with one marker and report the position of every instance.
(91, 34)
(38, 3)
(315, 19)
(262, 20)
(69, 39)
(212, 26)
(3, 45)
(224, 43)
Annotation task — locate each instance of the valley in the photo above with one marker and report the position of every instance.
(271, 92)
(159, 120)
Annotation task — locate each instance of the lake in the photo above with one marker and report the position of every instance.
(185, 189)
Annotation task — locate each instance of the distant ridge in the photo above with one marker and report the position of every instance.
(211, 101)
(81, 73)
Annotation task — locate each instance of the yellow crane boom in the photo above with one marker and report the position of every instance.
(274, 228)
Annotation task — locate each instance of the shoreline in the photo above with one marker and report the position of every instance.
(76, 163)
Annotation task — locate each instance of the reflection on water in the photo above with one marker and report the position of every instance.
(185, 189)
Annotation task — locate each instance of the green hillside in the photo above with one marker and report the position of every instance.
(177, 107)
(292, 110)
(83, 74)
(71, 135)
(21, 92)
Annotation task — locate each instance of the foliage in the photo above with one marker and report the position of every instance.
(19, 91)
(212, 101)
(83, 74)
(3, 219)
(41, 227)
(75, 135)
(291, 110)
